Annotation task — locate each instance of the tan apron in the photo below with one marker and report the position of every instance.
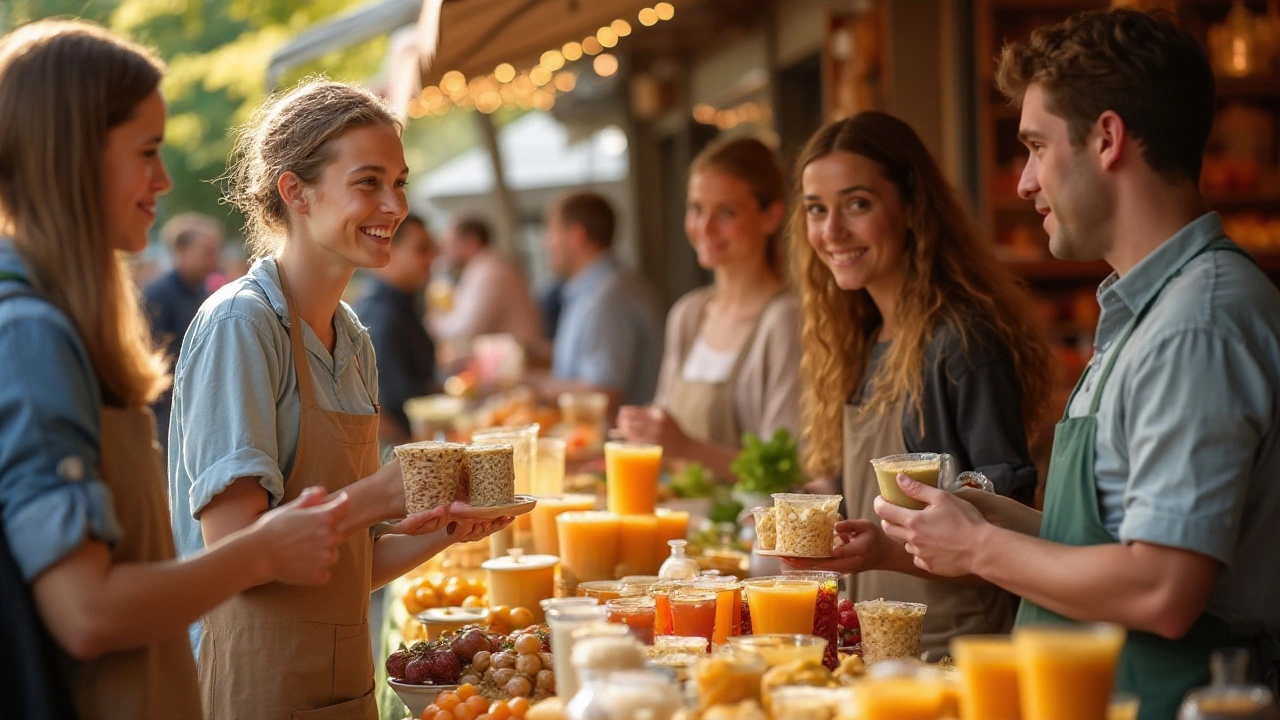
(707, 411)
(288, 652)
(953, 609)
(157, 681)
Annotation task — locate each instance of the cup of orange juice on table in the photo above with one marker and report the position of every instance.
(728, 592)
(588, 546)
(543, 517)
(905, 694)
(1067, 672)
(672, 525)
(781, 605)
(663, 623)
(693, 613)
(988, 666)
(631, 477)
(636, 613)
(637, 545)
(602, 590)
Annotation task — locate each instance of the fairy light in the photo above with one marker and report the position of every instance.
(504, 73)
(605, 65)
(565, 81)
(607, 37)
(592, 46)
(665, 10)
(540, 76)
(572, 51)
(620, 27)
(648, 17)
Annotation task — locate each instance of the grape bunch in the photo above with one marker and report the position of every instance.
(850, 630)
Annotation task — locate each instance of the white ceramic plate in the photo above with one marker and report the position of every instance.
(418, 697)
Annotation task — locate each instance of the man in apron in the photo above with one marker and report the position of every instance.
(1162, 504)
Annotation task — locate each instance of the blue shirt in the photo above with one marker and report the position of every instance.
(236, 404)
(610, 333)
(51, 495)
(1187, 453)
(171, 305)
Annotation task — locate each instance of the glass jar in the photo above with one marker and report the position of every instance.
(636, 614)
(1229, 697)
(564, 620)
(679, 566)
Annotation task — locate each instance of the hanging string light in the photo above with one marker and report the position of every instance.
(538, 87)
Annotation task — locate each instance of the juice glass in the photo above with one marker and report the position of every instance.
(663, 623)
(781, 649)
(1067, 671)
(826, 614)
(904, 698)
(588, 546)
(638, 585)
(549, 476)
(672, 525)
(543, 518)
(631, 477)
(602, 590)
(636, 544)
(781, 605)
(636, 614)
(988, 666)
(693, 613)
(728, 592)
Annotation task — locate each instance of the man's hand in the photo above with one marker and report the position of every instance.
(941, 536)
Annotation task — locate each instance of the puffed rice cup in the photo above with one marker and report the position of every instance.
(430, 472)
(805, 524)
(766, 529)
(891, 630)
(491, 475)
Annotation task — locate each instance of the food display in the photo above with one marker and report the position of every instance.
(433, 591)
(431, 473)
(727, 678)
(806, 524)
(766, 530)
(490, 473)
(500, 666)
(890, 630)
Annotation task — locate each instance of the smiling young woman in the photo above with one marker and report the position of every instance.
(82, 508)
(915, 339)
(277, 388)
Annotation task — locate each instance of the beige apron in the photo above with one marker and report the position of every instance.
(707, 411)
(953, 609)
(157, 681)
(288, 652)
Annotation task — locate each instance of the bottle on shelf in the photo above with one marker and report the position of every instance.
(679, 566)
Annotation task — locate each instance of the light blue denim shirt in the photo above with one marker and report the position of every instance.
(1187, 453)
(610, 333)
(51, 495)
(236, 404)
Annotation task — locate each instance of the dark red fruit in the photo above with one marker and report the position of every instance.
(466, 645)
(444, 666)
(397, 662)
(418, 671)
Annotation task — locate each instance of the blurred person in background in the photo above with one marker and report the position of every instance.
(194, 241)
(490, 297)
(235, 264)
(391, 308)
(610, 333)
(732, 360)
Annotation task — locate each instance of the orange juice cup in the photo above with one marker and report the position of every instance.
(781, 605)
(544, 516)
(588, 546)
(602, 590)
(631, 477)
(636, 543)
(636, 613)
(1067, 672)
(904, 698)
(672, 525)
(693, 613)
(661, 594)
(988, 667)
(728, 607)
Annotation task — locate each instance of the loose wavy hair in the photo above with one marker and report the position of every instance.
(64, 85)
(952, 279)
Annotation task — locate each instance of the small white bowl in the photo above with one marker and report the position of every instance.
(418, 697)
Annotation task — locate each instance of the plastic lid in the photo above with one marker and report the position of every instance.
(517, 560)
(453, 615)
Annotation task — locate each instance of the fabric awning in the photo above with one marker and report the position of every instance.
(475, 36)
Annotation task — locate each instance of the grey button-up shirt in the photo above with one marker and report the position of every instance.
(1188, 443)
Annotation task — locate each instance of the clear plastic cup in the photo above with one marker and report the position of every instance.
(806, 524)
(891, 630)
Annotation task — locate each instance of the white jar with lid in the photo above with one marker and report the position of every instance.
(520, 580)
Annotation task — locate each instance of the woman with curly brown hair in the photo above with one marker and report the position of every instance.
(915, 339)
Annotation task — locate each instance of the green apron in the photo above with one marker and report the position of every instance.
(1159, 671)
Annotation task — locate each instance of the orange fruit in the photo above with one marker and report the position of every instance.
(429, 712)
(447, 701)
(445, 715)
(410, 601)
(478, 703)
(499, 711)
(466, 691)
(519, 706)
(502, 613)
(520, 618)
(473, 601)
(426, 598)
(476, 586)
(464, 712)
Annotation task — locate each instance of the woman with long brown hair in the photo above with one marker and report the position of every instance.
(915, 339)
(82, 505)
(731, 361)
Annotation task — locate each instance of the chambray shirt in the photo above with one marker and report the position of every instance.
(51, 496)
(236, 404)
(610, 334)
(1187, 453)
